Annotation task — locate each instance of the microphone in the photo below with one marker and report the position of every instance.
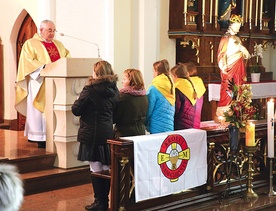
(64, 35)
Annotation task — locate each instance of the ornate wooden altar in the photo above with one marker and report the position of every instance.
(197, 27)
(122, 173)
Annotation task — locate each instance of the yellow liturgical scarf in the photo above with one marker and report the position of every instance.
(163, 85)
(187, 89)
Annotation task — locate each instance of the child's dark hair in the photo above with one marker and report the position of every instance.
(163, 67)
(191, 68)
(181, 71)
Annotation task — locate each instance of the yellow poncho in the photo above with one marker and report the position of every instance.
(187, 89)
(162, 83)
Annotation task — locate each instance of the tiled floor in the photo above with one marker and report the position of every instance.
(67, 199)
(75, 198)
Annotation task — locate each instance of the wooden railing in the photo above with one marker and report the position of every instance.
(122, 173)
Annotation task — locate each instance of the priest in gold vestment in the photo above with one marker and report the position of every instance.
(30, 88)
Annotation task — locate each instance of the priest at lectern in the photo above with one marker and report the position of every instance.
(30, 88)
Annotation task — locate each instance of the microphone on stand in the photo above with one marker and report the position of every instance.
(62, 34)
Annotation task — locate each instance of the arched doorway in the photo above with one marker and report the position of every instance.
(26, 31)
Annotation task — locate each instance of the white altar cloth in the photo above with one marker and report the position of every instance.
(260, 90)
(168, 163)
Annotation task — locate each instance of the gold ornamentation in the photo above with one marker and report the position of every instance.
(236, 18)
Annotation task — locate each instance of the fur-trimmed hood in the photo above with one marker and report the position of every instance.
(105, 86)
(110, 78)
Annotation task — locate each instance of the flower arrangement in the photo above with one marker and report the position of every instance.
(241, 109)
(258, 52)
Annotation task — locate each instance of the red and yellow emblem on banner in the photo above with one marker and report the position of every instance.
(173, 156)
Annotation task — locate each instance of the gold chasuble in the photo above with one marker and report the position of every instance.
(187, 89)
(35, 53)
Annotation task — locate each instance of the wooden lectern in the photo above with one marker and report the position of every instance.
(64, 80)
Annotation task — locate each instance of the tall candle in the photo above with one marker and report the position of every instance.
(250, 134)
(203, 7)
(256, 12)
(216, 8)
(261, 15)
(211, 12)
(270, 128)
(261, 10)
(185, 6)
(250, 9)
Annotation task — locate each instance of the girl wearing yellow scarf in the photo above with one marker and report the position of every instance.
(189, 96)
(161, 100)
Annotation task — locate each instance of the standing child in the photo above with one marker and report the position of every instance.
(161, 97)
(130, 114)
(189, 90)
(95, 107)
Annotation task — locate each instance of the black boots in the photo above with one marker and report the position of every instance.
(94, 206)
(101, 188)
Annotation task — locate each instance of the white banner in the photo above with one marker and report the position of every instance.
(168, 163)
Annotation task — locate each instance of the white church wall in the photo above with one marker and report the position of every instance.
(269, 60)
(130, 35)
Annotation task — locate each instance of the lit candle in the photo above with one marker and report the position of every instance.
(250, 134)
(270, 128)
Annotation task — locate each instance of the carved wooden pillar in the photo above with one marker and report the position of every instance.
(210, 179)
(121, 159)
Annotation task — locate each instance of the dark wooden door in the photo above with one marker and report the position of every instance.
(26, 31)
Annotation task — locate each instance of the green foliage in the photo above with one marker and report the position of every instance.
(255, 69)
(241, 109)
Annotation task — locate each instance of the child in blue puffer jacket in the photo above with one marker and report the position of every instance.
(161, 100)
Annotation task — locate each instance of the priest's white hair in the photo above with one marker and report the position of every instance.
(11, 188)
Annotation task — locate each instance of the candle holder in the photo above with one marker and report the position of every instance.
(231, 162)
(271, 192)
(250, 195)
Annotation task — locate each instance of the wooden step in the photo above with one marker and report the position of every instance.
(33, 163)
(40, 175)
(55, 178)
(36, 165)
(5, 126)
